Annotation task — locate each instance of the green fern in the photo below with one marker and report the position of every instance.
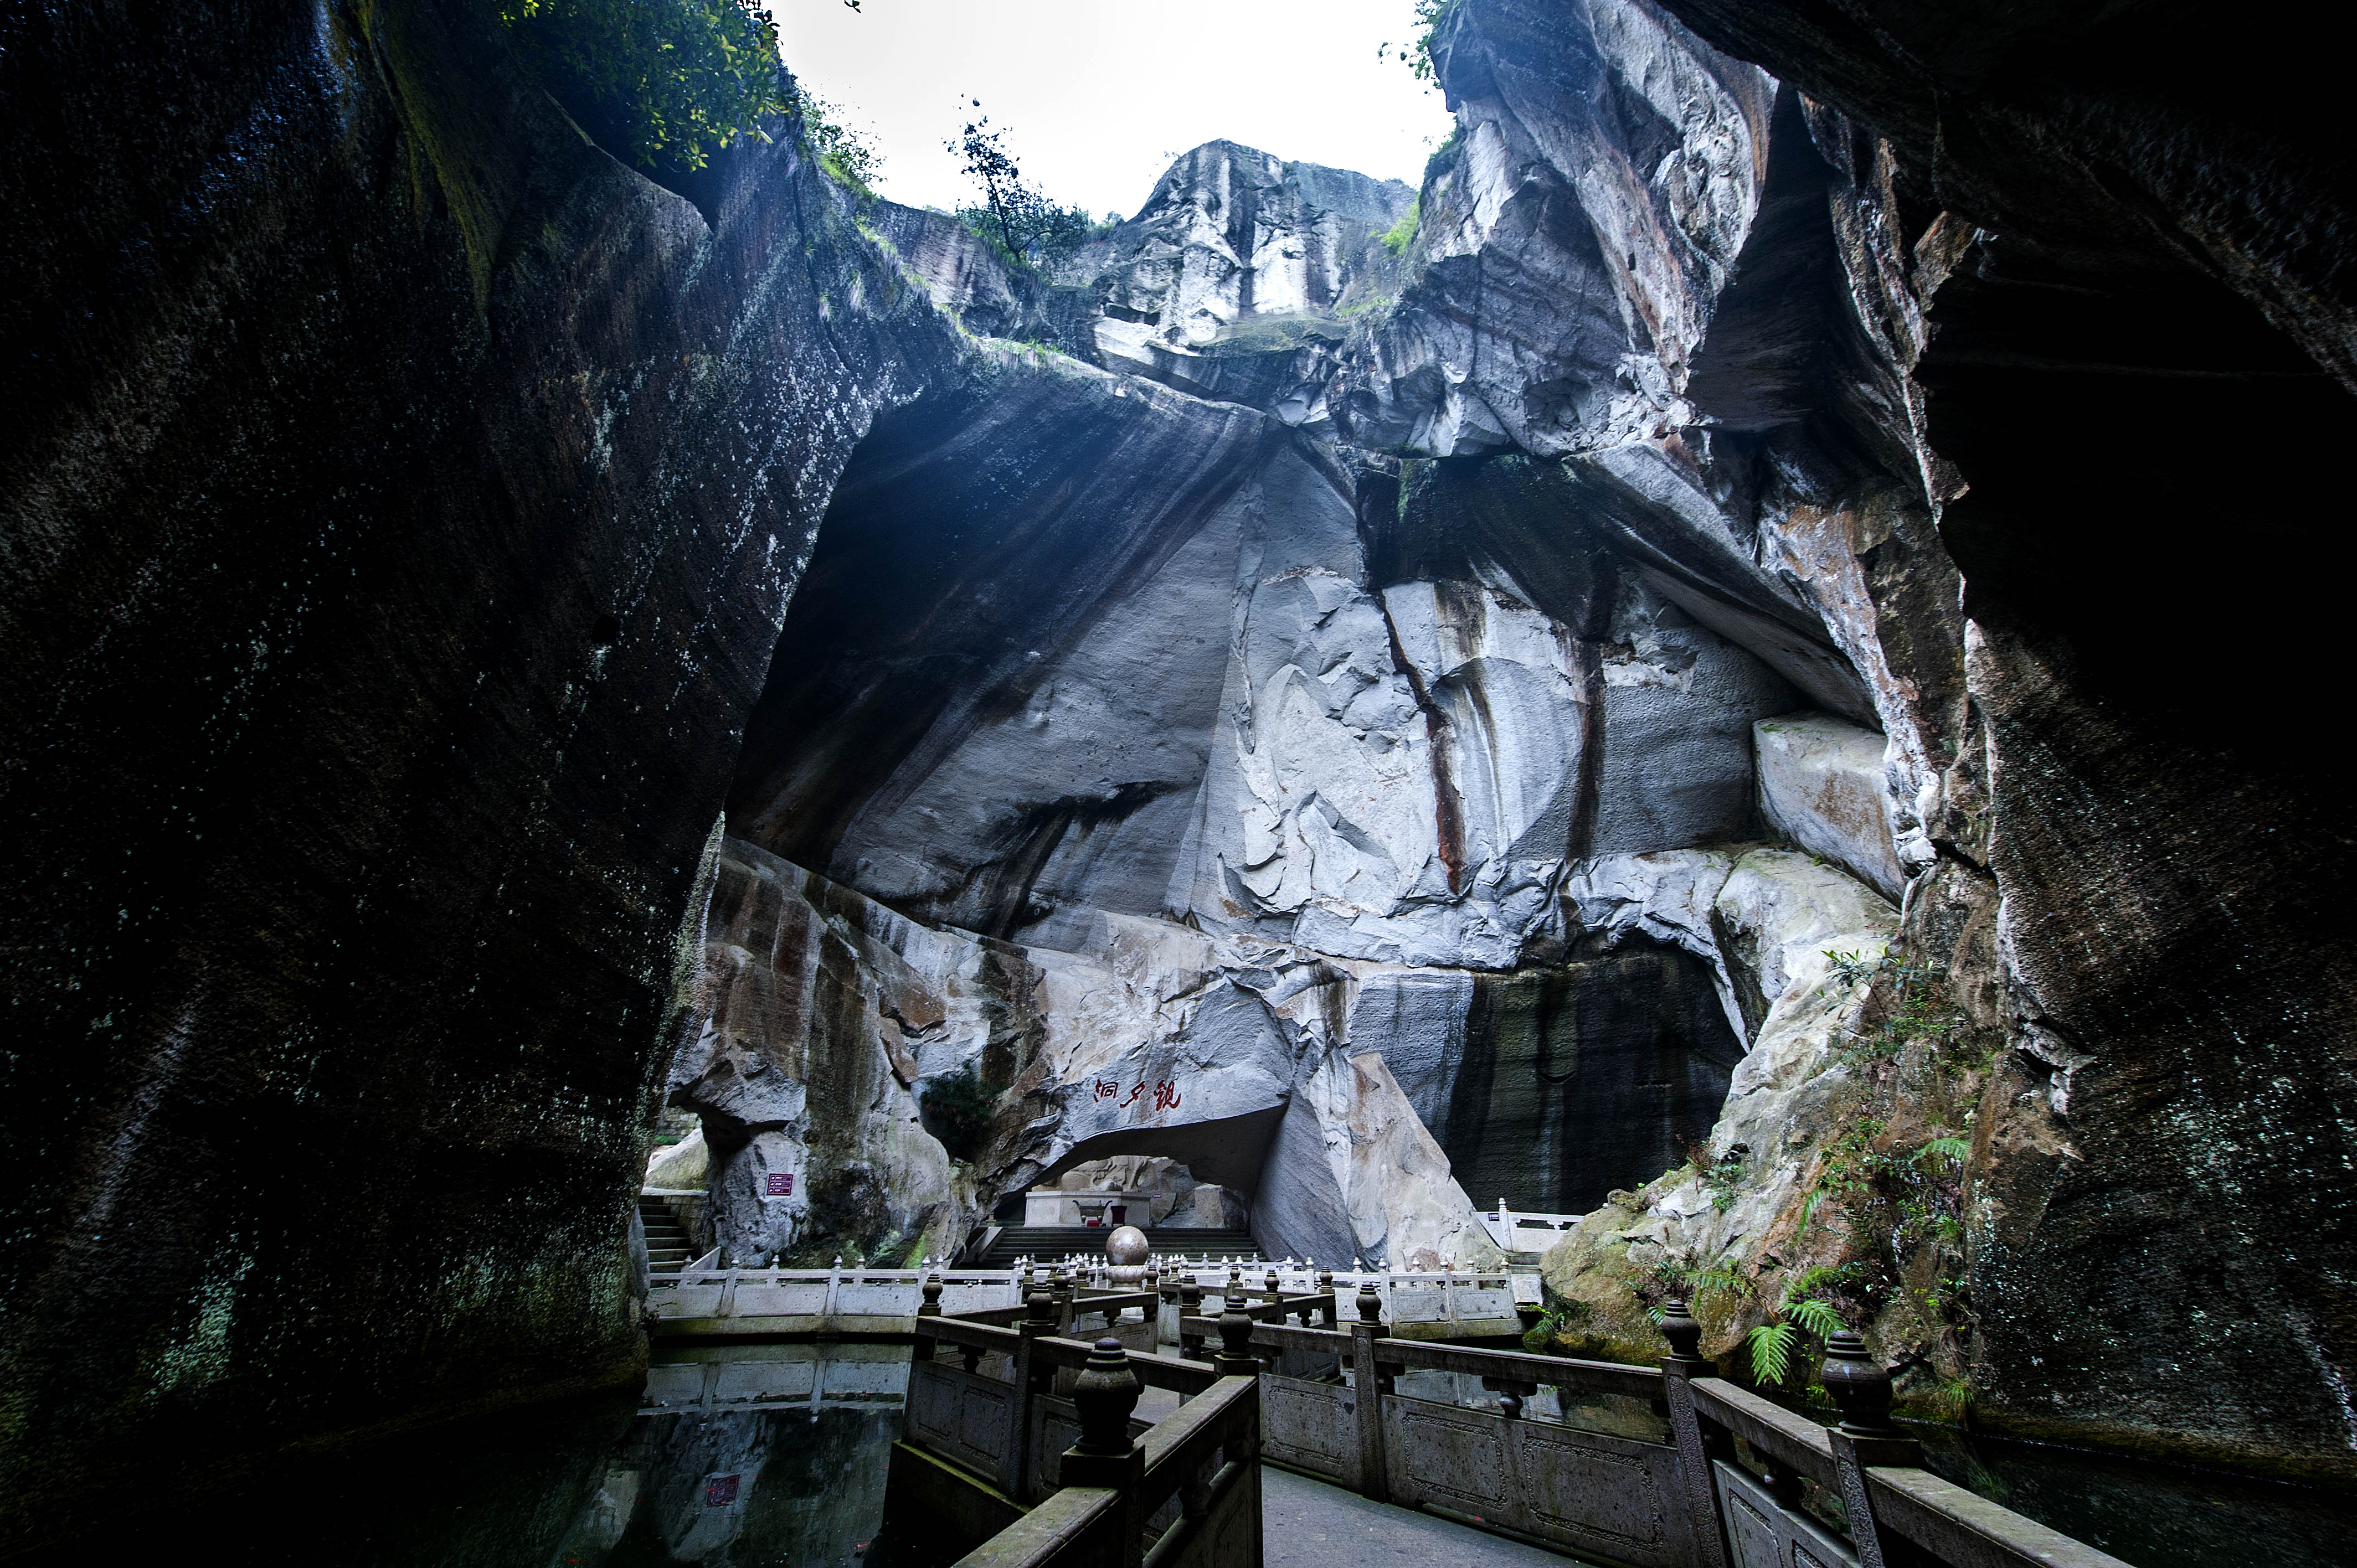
(1720, 1279)
(1771, 1351)
(1954, 1150)
(1815, 1316)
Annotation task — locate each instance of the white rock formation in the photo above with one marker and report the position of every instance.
(1779, 913)
(834, 1040)
(683, 1166)
(1234, 279)
(1820, 785)
(1549, 206)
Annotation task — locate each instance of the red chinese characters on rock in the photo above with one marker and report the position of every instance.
(1166, 1094)
(780, 1183)
(719, 1491)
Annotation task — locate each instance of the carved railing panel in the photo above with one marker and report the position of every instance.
(757, 1297)
(1763, 1533)
(963, 1417)
(765, 1382)
(1580, 1489)
(1310, 1426)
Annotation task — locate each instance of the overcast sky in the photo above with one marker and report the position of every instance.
(1098, 96)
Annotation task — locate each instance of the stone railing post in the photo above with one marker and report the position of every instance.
(1326, 1289)
(1033, 1373)
(1190, 1305)
(1106, 1455)
(1865, 1437)
(1679, 1369)
(1234, 1357)
(931, 1291)
(1368, 1387)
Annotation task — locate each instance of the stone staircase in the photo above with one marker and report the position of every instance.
(668, 1245)
(1017, 1242)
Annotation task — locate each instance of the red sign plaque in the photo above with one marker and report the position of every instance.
(781, 1185)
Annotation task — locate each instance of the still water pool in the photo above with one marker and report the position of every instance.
(776, 1455)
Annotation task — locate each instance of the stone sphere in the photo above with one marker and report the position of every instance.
(1127, 1245)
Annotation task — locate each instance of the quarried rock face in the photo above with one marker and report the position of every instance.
(1276, 716)
(1239, 277)
(1821, 786)
(871, 1086)
(399, 506)
(1606, 170)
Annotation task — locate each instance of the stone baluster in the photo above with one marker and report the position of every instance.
(1369, 1385)
(1191, 1305)
(1034, 1375)
(1866, 1439)
(1696, 1448)
(1234, 1357)
(1105, 1394)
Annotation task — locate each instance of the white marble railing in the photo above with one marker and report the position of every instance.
(1517, 1231)
(702, 1289)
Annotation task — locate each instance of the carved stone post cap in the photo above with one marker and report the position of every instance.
(1679, 1327)
(1371, 1305)
(932, 1294)
(1105, 1394)
(1859, 1386)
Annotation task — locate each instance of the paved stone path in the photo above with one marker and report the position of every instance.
(1310, 1524)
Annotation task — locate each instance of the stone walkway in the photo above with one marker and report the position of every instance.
(1310, 1524)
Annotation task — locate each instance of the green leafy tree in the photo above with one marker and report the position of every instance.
(1031, 228)
(1416, 54)
(659, 83)
(850, 157)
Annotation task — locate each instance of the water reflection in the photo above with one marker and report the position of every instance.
(777, 1454)
(2154, 1516)
(771, 1454)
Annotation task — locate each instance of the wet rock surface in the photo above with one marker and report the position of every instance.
(402, 504)
(1622, 701)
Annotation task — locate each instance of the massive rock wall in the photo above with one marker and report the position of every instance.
(1459, 698)
(870, 1084)
(400, 499)
(2079, 220)
(1279, 731)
